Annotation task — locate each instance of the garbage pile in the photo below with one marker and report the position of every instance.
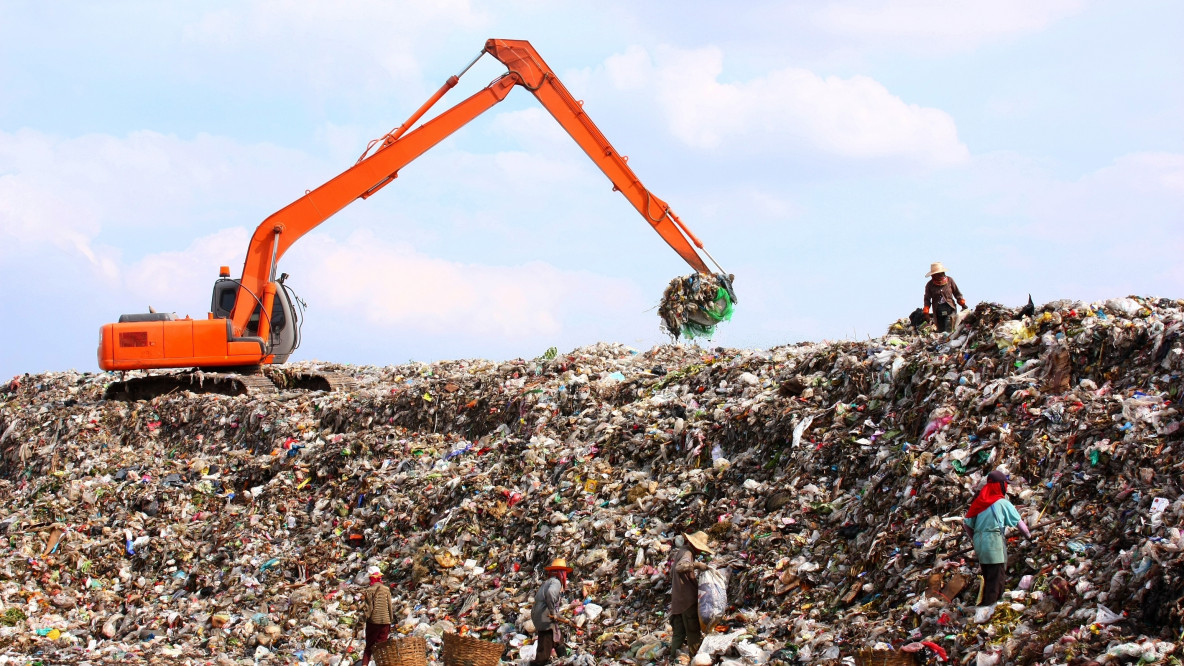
(832, 477)
(693, 305)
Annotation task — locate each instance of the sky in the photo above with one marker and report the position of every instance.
(825, 153)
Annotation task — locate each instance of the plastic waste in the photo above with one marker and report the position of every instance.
(186, 525)
(713, 597)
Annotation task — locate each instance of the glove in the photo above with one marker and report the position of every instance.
(963, 304)
(700, 566)
(925, 310)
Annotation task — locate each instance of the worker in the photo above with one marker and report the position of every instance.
(988, 516)
(684, 593)
(379, 613)
(545, 614)
(941, 297)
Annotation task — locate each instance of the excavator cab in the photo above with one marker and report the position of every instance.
(285, 322)
(154, 339)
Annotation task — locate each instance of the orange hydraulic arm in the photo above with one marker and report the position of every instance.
(375, 170)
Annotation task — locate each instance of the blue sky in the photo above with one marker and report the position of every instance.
(825, 152)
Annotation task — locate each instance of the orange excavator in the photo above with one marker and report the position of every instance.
(253, 321)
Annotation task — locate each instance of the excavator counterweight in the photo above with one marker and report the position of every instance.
(253, 321)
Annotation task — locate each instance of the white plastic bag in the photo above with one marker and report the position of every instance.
(713, 597)
(716, 644)
(1106, 616)
(984, 658)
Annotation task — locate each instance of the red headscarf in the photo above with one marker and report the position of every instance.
(994, 490)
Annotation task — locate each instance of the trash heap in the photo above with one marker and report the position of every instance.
(693, 305)
(207, 529)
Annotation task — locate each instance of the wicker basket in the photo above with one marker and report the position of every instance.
(469, 651)
(409, 651)
(869, 657)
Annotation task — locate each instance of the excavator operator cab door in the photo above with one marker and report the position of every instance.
(284, 328)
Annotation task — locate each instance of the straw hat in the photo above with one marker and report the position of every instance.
(935, 267)
(558, 564)
(699, 541)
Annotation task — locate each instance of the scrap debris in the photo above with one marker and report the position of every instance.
(693, 305)
(832, 477)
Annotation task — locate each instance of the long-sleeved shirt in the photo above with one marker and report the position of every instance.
(380, 608)
(546, 604)
(947, 293)
(988, 528)
(684, 586)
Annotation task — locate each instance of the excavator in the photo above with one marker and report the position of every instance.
(253, 322)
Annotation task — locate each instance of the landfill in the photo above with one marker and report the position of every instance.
(831, 476)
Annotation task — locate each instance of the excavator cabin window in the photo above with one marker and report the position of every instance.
(225, 295)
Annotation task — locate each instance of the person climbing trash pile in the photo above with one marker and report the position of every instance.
(942, 298)
(988, 516)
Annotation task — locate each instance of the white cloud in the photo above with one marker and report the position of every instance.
(1113, 231)
(67, 192)
(335, 45)
(1139, 191)
(786, 109)
(180, 280)
(395, 287)
(943, 25)
(533, 127)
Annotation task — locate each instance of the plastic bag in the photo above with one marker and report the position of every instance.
(1106, 616)
(984, 658)
(715, 644)
(713, 597)
(800, 429)
(1013, 333)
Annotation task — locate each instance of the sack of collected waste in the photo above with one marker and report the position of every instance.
(713, 597)
(693, 305)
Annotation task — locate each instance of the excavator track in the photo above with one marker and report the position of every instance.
(253, 381)
(223, 383)
(309, 380)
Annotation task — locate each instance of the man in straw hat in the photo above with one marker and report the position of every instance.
(545, 614)
(684, 594)
(380, 612)
(941, 294)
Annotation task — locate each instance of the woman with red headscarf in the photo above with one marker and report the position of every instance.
(990, 513)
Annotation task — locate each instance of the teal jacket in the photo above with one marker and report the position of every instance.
(988, 528)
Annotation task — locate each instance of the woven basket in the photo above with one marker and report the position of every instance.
(409, 651)
(869, 657)
(469, 651)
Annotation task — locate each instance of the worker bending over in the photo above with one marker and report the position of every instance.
(941, 298)
(545, 614)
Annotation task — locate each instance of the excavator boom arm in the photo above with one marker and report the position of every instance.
(534, 75)
(277, 233)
